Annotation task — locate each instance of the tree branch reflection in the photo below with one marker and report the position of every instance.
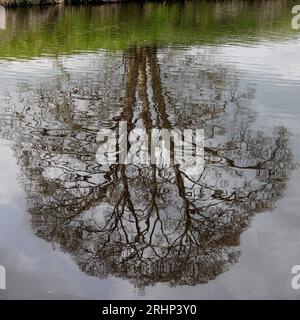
(147, 224)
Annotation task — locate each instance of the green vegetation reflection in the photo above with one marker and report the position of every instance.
(67, 29)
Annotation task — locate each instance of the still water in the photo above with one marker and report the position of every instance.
(72, 228)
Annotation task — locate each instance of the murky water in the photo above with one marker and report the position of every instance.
(73, 228)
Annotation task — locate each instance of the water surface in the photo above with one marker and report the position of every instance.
(72, 228)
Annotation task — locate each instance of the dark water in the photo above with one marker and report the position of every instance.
(72, 228)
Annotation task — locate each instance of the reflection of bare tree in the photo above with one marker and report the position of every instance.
(147, 224)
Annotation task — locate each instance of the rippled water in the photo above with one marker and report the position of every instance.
(72, 228)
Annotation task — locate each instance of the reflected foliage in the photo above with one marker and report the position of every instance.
(57, 30)
(146, 224)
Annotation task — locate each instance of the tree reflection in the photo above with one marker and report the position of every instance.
(147, 224)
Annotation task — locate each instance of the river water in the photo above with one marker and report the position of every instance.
(71, 227)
